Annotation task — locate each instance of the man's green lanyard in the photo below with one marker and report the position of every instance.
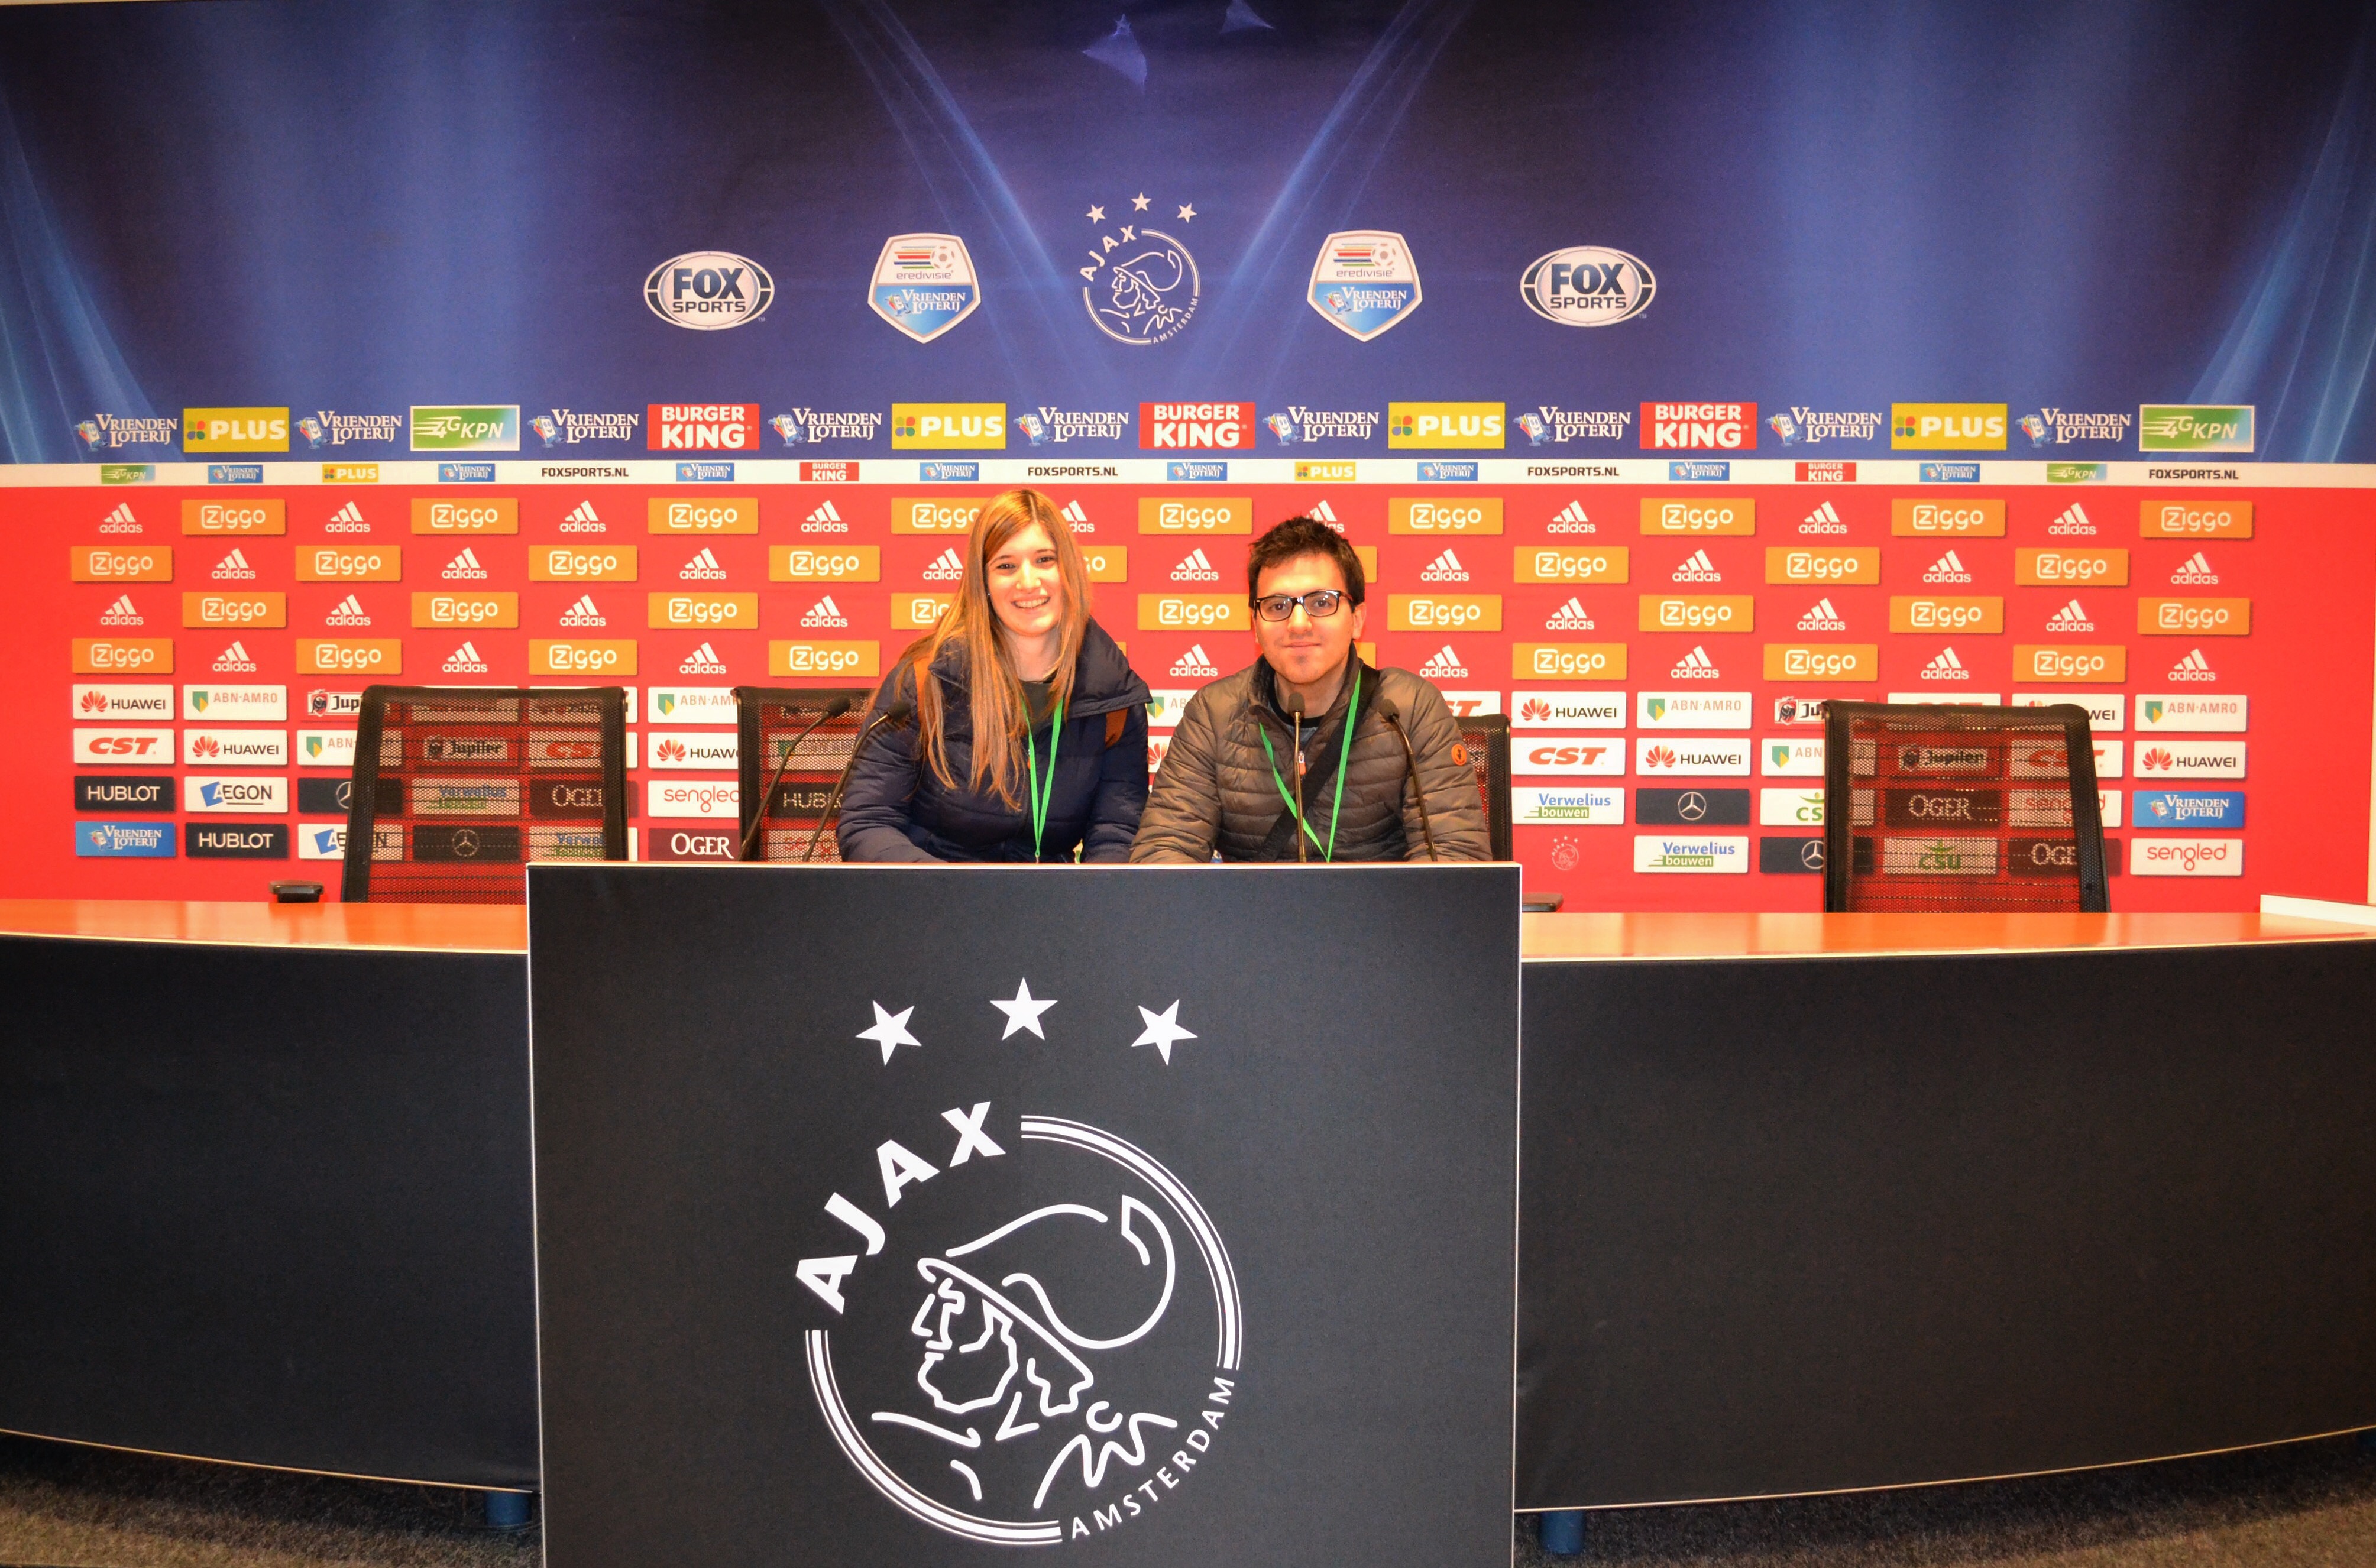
(1344, 755)
(1039, 793)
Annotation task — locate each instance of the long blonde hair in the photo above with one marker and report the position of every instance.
(995, 691)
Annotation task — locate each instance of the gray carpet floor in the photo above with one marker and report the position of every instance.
(2309, 1505)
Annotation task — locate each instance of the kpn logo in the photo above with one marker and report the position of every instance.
(1947, 427)
(1429, 426)
(466, 427)
(948, 426)
(2195, 427)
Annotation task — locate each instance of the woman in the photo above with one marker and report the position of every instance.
(1030, 736)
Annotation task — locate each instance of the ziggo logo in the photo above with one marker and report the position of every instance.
(1811, 661)
(347, 563)
(1692, 615)
(106, 563)
(695, 516)
(1189, 516)
(1931, 614)
(123, 656)
(2177, 616)
(1437, 517)
(824, 563)
(1577, 666)
(807, 659)
(2053, 664)
(579, 563)
(1559, 565)
(2054, 566)
(345, 657)
(219, 612)
(1444, 614)
(1682, 517)
(215, 517)
(462, 517)
(580, 658)
(1819, 566)
(690, 609)
(1192, 612)
(1929, 516)
(447, 611)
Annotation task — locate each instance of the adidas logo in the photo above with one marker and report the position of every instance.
(1444, 568)
(1693, 666)
(2196, 568)
(348, 519)
(233, 567)
(1822, 617)
(121, 613)
(465, 661)
(702, 568)
(350, 613)
(233, 660)
(2075, 519)
(1569, 518)
(2070, 618)
(584, 612)
(824, 612)
(2193, 667)
(1569, 617)
(1444, 664)
(582, 518)
(703, 660)
(1946, 666)
(121, 520)
(1195, 567)
(1071, 512)
(1321, 512)
(1948, 568)
(1825, 519)
(824, 519)
(1194, 662)
(1698, 568)
(464, 565)
(946, 567)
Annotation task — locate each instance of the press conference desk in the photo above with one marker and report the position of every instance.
(1808, 1202)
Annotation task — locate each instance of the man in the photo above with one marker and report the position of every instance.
(1229, 781)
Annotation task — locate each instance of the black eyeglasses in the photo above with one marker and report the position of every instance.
(1320, 603)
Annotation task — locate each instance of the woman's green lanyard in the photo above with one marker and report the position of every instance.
(1344, 755)
(1040, 793)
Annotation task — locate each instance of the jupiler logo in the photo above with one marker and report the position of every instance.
(797, 426)
(567, 427)
(1811, 425)
(1546, 424)
(326, 427)
(1045, 1347)
(2058, 427)
(104, 432)
(1300, 424)
(1141, 284)
(1044, 424)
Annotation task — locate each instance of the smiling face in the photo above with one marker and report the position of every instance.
(1026, 590)
(1308, 655)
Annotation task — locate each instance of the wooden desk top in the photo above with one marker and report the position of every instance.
(503, 927)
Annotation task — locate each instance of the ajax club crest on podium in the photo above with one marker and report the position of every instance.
(1364, 281)
(924, 284)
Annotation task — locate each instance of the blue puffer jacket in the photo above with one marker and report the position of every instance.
(894, 809)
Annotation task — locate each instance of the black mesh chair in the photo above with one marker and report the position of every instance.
(456, 789)
(1950, 808)
(770, 718)
(1486, 738)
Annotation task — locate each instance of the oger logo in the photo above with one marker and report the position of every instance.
(1043, 1352)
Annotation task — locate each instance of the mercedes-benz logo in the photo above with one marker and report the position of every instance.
(1690, 806)
(466, 843)
(1811, 854)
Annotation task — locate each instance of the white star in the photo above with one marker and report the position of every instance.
(1097, 213)
(1188, 212)
(1022, 1013)
(1138, 202)
(1163, 1030)
(890, 1031)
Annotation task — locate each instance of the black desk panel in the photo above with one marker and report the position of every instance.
(269, 1204)
(1799, 1225)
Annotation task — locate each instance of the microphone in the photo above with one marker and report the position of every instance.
(896, 714)
(833, 709)
(1386, 710)
(1293, 703)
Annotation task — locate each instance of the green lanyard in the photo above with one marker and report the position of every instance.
(1344, 755)
(1040, 793)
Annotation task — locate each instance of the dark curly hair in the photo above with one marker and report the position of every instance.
(1303, 536)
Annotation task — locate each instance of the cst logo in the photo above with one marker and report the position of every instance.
(708, 291)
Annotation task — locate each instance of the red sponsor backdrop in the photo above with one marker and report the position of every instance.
(2306, 576)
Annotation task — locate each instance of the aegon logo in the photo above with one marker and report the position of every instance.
(1478, 515)
(491, 515)
(2195, 617)
(333, 564)
(824, 659)
(804, 564)
(2195, 519)
(1855, 564)
(2108, 664)
(1192, 611)
(719, 515)
(1718, 612)
(1698, 515)
(1909, 518)
(708, 610)
(102, 564)
(234, 610)
(1205, 426)
(466, 610)
(565, 563)
(234, 517)
(708, 291)
(1230, 513)
(2110, 567)
(1823, 661)
(1572, 564)
(1568, 661)
(1979, 613)
(1444, 613)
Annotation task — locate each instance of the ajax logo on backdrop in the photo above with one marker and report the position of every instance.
(1588, 286)
(708, 291)
(1364, 281)
(924, 284)
(1141, 284)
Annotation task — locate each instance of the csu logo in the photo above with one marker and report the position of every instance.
(1040, 1350)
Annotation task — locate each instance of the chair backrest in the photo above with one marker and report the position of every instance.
(1954, 808)
(768, 720)
(456, 789)
(1486, 738)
